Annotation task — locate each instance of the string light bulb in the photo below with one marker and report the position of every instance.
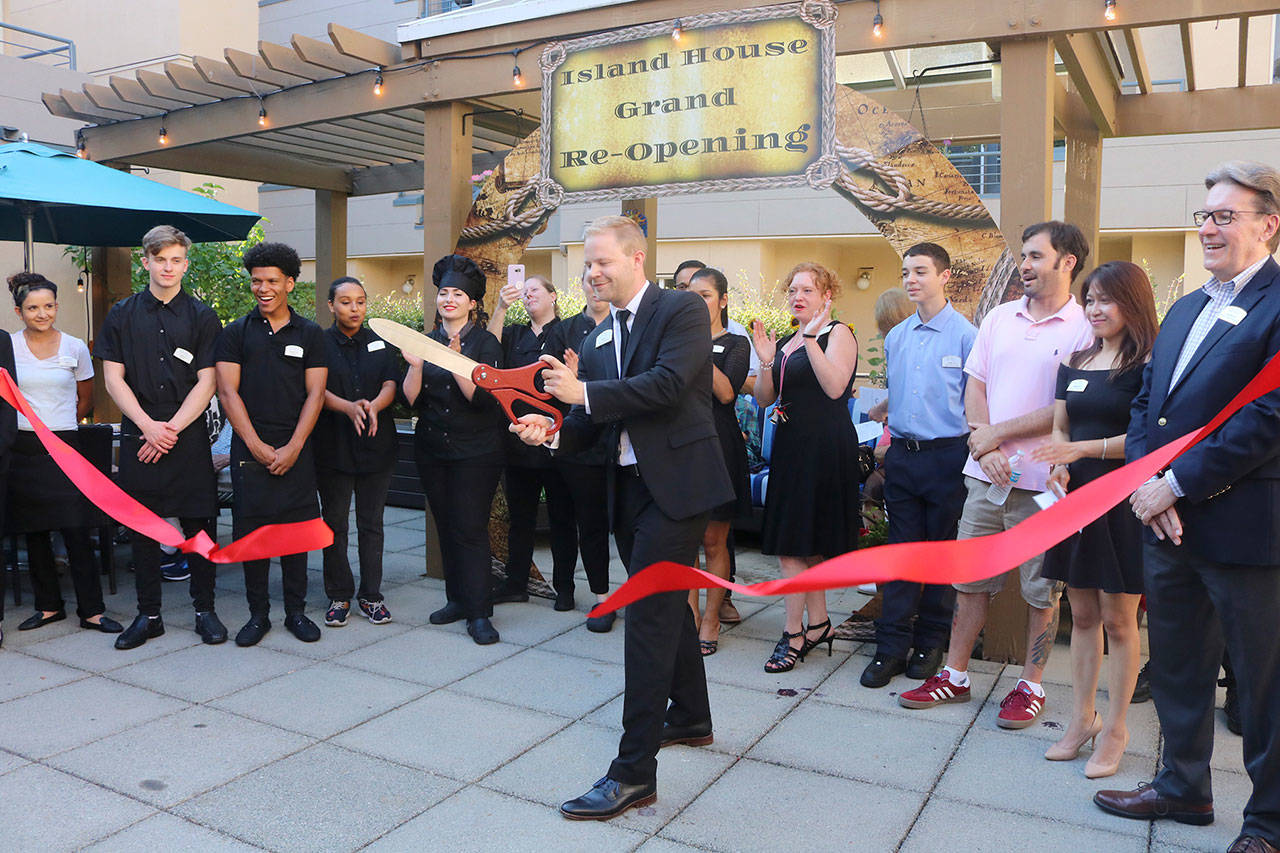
(80, 284)
(80, 151)
(262, 116)
(877, 23)
(377, 83)
(164, 136)
(1109, 10)
(677, 31)
(517, 79)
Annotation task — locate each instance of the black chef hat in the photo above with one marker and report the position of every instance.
(460, 272)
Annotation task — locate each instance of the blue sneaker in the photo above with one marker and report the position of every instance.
(174, 568)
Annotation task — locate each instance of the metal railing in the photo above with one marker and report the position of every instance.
(979, 165)
(66, 47)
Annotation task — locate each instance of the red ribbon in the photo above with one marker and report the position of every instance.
(960, 560)
(270, 540)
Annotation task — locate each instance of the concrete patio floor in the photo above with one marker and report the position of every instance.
(408, 736)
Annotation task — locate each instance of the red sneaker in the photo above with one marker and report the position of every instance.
(938, 690)
(1020, 708)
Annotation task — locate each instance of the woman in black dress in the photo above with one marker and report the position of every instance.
(811, 511)
(355, 444)
(530, 470)
(458, 445)
(1102, 564)
(55, 374)
(730, 360)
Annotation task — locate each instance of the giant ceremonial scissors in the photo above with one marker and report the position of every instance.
(507, 386)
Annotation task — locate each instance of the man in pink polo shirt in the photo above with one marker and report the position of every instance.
(1009, 406)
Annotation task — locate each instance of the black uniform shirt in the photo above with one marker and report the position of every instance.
(521, 346)
(358, 366)
(273, 369)
(451, 427)
(162, 346)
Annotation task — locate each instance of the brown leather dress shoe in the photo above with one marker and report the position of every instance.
(1146, 803)
(1252, 844)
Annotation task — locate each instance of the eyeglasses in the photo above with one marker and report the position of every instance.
(1221, 217)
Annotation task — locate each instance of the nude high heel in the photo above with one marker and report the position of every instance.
(1095, 769)
(1061, 751)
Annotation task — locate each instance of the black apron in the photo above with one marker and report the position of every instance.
(40, 496)
(261, 497)
(181, 484)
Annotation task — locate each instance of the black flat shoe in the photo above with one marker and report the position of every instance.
(609, 798)
(482, 631)
(105, 624)
(253, 631)
(602, 624)
(925, 663)
(141, 629)
(699, 735)
(302, 628)
(446, 615)
(39, 620)
(881, 671)
(210, 628)
(565, 601)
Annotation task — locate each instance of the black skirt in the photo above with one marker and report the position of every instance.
(181, 484)
(40, 496)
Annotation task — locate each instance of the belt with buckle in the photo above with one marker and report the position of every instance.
(915, 446)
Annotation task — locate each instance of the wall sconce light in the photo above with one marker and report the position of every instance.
(863, 281)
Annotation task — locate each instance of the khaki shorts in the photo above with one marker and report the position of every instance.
(981, 518)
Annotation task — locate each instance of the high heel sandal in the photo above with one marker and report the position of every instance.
(1094, 769)
(784, 655)
(1058, 752)
(828, 637)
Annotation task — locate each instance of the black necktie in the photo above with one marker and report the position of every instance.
(623, 334)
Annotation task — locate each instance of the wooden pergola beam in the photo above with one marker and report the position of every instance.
(1091, 73)
(254, 67)
(187, 79)
(129, 89)
(1188, 58)
(287, 61)
(1244, 50)
(160, 86)
(1138, 56)
(232, 160)
(366, 48)
(1202, 111)
(325, 55)
(222, 74)
(106, 97)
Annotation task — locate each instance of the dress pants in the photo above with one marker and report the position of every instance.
(336, 489)
(460, 495)
(146, 566)
(924, 495)
(524, 486)
(83, 569)
(660, 650)
(589, 488)
(1194, 607)
(293, 571)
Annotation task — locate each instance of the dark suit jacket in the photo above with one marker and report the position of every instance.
(8, 414)
(1232, 478)
(663, 400)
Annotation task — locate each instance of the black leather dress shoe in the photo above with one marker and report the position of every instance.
(141, 629)
(609, 798)
(602, 624)
(925, 663)
(482, 631)
(502, 595)
(1146, 803)
(253, 631)
(881, 671)
(210, 628)
(302, 628)
(565, 601)
(105, 624)
(1252, 844)
(451, 612)
(39, 620)
(699, 735)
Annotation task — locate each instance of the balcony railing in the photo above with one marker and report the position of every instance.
(62, 53)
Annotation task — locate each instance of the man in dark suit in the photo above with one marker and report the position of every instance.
(644, 374)
(1212, 555)
(8, 432)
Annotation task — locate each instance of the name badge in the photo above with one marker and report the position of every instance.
(1232, 314)
(717, 347)
(606, 337)
(67, 361)
(374, 346)
(1077, 384)
(182, 355)
(951, 361)
(827, 330)
(293, 351)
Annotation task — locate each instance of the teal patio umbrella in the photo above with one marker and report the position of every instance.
(50, 196)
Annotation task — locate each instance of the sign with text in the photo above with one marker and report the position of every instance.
(741, 100)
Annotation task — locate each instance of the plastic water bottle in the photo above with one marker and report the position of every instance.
(999, 494)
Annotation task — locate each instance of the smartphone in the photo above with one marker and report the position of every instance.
(515, 274)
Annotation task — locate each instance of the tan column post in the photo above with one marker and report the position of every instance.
(635, 208)
(446, 199)
(331, 247)
(1084, 187)
(109, 283)
(1026, 187)
(1026, 136)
